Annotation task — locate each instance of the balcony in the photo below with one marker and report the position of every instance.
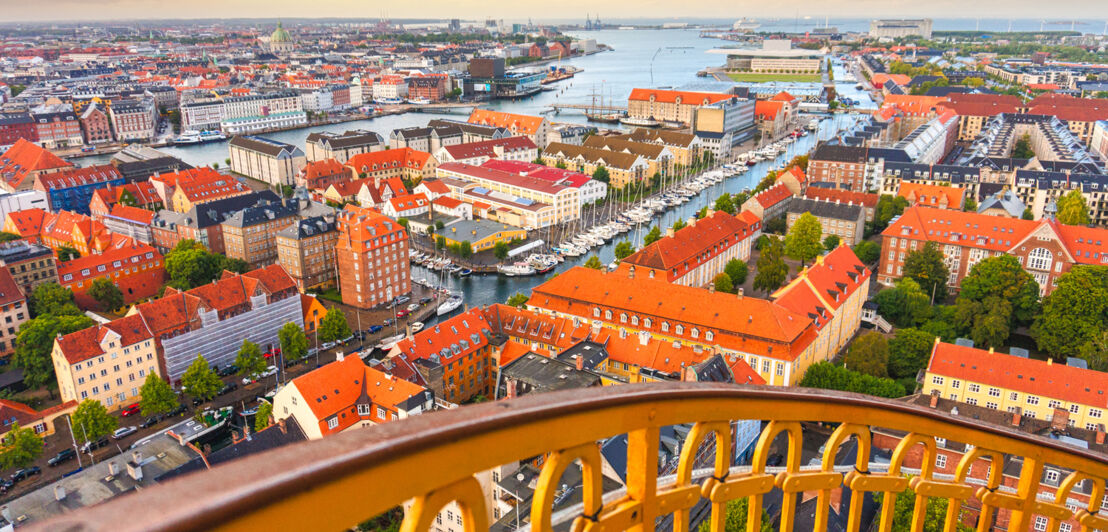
(335, 483)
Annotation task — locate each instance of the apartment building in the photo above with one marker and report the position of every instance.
(135, 119)
(318, 175)
(58, 129)
(341, 147)
(697, 253)
(14, 310)
(519, 189)
(22, 163)
(251, 233)
(845, 166)
(306, 250)
(659, 159)
(72, 190)
(477, 153)
(244, 114)
(404, 163)
(203, 186)
(1017, 384)
(778, 343)
(452, 359)
(975, 110)
(372, 258)
(671, 105)
(685, 147)
(346, 394)
(136, 269)
(592, 190)
(623, 168)
(140, 194)
(106, 363)
(29, 264)
(269, 161)
(844, 220)
(1045, 248)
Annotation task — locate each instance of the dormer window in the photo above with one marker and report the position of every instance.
(364, 410)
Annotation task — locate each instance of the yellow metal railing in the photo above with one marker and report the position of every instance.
(431, 460)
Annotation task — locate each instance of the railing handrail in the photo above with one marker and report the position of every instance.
(309, 484)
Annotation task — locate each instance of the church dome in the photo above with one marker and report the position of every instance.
(280, 35)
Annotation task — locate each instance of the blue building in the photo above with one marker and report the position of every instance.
(72, 189)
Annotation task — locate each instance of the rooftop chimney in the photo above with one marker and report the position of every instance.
(1060, 419)
(113, 468)
(580, 360)
(59, 492)
(740, 292)
(339, 356)
(1016, 416)
(934, 400)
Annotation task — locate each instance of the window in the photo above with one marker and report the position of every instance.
(1054, 404)
(992, 405)
(955, 383)
(332, 423)
(974, 388)
(994, 392)
(1094, 413)
(1013, 396)
(1052, 475)
(382, 413)
(941, 442)
(363, 410)
(971, 401)
(937, 380)
(1065, 527)
(1040, 523)
(1040, 259)
(940, 461)
(1074, 409)
(1032, 400)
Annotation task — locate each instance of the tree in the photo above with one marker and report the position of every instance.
(888, 207)
(909, 352)
(294, 343)
(92, 421)
(188, 265)
(518, 300)
(737, 270)
(106, 293)
(869, 354)
(970, 205)
(776, 225)
(128, 199)
(561, 165)
(601, 174)
(439, 224)
(200, 380)
(333, 327)
(1074, 316)
(652, 236)
(440, 243)
(8, 237)
(157, 396)
(500, 250)
(771, 268)
(250, 360)
(934, 517)
(594, 263)
(722, 283)
(802, 242)
(735, 515)
(828, 376)
(867, 252)
(21, 447)
(678, 225)
(1022, 149)
(68, 253)
(1072, 209)
(35, 341)
(261, 418)
(926, 267)
(905, 304)
(1003, 277)
(465, 249)
(724, 203)
(624, 249)
(402, 222)
(52, 298)
(1027, 214)
(831, 242)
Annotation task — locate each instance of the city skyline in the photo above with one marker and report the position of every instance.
(104, 10)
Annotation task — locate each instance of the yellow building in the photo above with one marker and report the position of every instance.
(685, 147)
(1017, 384)
(623, 168)
(481, 234)
(106, 363)
(659, 159)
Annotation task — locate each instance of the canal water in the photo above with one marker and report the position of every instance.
(641, 58)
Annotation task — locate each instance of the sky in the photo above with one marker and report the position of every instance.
(515, 10)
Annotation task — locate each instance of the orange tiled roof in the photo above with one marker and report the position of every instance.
(842, 196)
(85, 344)
(521, 124)
(709, 235)
(385, 159)
(773, 195)
(133, 214)
(143, 192)
(25, 157)
(1025, 375)
(449, 340)
(672, 96)
(767, 110)
(324, 168)
(748, 324)
(27, 222)
(337, 388)
(931, 195)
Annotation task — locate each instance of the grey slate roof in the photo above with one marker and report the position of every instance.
(826, 209)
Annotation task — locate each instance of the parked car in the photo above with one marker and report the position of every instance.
(401, 300)
(131, 410)
(88, 447)
(374, 329)
(269, 371)
(401, 314)
(63, 455)
(26, 473)
(179, 411)
(228, 388)
(413, 307)
(425, 300)
(6, 484)
(388, 321)
(123, 432)
(328, 345)
(150, 422)
(228, 370)
(347, 340)
(197, 401)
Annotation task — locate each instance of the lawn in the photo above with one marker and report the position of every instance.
(760, 78)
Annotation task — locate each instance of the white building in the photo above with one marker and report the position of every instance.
(134, 119)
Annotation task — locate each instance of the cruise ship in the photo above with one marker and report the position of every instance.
(746, 24)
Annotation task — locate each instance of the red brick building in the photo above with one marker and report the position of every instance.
(1045, 248)
(845, 166)
(695, 254)
(95, 125)
(372, 257)
(319, 175)
(431, 88)
(867, 200)
(17, 126)
(454, 357)
(137, 269)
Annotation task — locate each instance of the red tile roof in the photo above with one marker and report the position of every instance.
(488, 148)
(143, 192)
(507, 178)
(77, 177)
(325, 168)
(842, 196)
(773, 195)
(982, 104)
(337, 388)
(753, 325)
(671, 96)
(27, 222)
(548, 173)
(1025, 375)
(25, 157)
(691, 245)
(767, 110)
(85, 344)
(931, 195)
(134, 214)
(519, 124)
(385, 159)
(210, 186)
(9, 290)
(445, 340)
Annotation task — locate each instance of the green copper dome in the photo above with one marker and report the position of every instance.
(280, 35)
